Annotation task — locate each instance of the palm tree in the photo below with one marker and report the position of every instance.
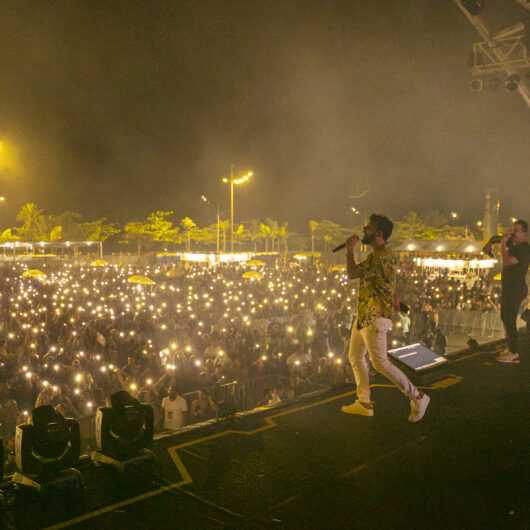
(253, 233)
(273, 225)
(189, 227)
(283, 235)
(265, 233)
(330, 233)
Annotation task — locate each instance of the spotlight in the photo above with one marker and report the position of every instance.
(46, 446)
(124, 432)
(493, 84)
(474, 7)
(476, 85)
(47, 485)
(512, 82)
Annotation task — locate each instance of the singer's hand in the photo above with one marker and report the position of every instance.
(507, 235)
(351, 242)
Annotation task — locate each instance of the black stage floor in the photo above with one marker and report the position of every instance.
(309, 466)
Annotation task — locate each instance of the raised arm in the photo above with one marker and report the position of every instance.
(507, 257)
(354, 270)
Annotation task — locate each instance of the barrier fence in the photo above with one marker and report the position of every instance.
(481, 323)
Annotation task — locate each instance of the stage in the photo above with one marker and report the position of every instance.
(309, 466)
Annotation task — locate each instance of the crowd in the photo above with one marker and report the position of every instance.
(195, 342)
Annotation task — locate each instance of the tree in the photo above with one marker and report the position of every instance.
(190, 229)
(160, 227)
(273, 225)
(206, 235)
(99, 230)
(253, 233)
(33, 223)
(330, 233)
(283, 235)
(70, 223)
(157, 227)
(435, 226)
(137, 232)
(240, 234)
(265, 234)
(9, 235)
(56, 234)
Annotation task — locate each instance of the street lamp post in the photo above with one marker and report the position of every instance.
(233, 180)
(232, 208)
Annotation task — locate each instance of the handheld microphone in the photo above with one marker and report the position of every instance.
(340, 247)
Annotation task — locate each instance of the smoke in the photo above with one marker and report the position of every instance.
(121, 108)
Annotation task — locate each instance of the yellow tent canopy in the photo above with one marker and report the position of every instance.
(307, 255)
(255, 263)
(141, 280)
(251, 275)
(338, 268)
(99, 263)
(33, 273)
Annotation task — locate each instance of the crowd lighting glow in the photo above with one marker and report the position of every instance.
(455, 264)
(198, 257)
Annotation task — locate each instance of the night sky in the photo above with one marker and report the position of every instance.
(117, 108)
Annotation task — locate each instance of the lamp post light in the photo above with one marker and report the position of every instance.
(216, 206)
(237, 181)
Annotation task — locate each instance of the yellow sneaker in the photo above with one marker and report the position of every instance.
(508, 357)
(358, 409)
(418, 408)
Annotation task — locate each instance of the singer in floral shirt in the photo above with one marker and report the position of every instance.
(377, 286)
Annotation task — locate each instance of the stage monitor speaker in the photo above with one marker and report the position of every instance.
(417, 357)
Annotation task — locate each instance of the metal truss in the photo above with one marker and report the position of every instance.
(499, 55)
(496, 54)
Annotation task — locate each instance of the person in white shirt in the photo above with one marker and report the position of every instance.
(175, 409)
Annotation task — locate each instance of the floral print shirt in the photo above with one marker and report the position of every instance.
(377, 286)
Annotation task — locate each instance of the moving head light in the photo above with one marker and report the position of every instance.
(47, 445)
(125, 429)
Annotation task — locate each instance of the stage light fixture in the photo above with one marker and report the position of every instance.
(48, 487)
(124, 431)
(474, 7)
(476, 85)
(47, 445)
(493, 84)
(512, 82)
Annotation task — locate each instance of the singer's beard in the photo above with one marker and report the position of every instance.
(368, 239)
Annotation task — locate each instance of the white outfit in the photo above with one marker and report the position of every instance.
(174, 412)
(373, 339)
